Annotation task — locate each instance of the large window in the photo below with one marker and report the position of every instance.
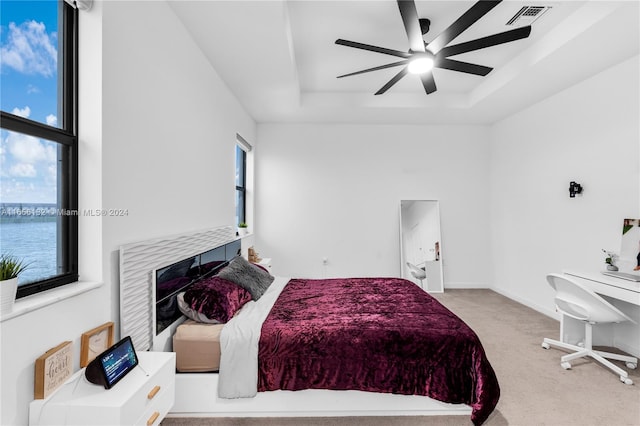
(38, 141)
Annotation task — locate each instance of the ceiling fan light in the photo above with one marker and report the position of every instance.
(420, 65)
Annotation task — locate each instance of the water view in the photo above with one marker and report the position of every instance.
(30, 167)
(28, 232)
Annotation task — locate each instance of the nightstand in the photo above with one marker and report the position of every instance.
(142, 397)
(265, 263)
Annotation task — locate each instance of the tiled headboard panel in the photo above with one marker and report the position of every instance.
(138, 260)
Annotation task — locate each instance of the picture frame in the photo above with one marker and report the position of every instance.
(53, 368)
(95, 341)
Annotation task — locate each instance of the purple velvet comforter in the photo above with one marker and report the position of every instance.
(373, 334)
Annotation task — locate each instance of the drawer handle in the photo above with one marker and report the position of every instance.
(153, 392)
(153, 418)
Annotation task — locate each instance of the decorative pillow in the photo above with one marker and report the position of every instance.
(260, 267)
(213, 300)
(248, 276)
(192, 313)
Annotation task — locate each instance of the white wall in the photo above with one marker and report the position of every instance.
(170, 127)
(334, 191)
(507, 219)
(157, 138)
(587, 133)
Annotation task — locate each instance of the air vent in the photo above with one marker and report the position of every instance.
(527, 15)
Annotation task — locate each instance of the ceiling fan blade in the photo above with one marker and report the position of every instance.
(411, 23)
(428, 82)
(451, 64)
(481, 43)
(373, 48)
(381, 67)
(393, 81)
(476, 12)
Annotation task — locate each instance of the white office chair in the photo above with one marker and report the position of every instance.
(418, 273)
(576, 301)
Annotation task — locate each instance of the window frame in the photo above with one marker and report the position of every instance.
(66, 137)
(242, 189)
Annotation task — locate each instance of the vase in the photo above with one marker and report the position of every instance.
(8, 289)
(611, 267)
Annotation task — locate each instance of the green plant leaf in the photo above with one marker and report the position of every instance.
(11, 266)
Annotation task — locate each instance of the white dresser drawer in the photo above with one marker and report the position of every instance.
(147, 389)
(157, 385)
(158, 409)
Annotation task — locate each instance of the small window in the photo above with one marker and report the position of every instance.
(241, 188)
(242, 149)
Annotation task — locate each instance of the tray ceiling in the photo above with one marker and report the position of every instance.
(281, 61)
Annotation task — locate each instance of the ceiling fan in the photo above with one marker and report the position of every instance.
(422, 57)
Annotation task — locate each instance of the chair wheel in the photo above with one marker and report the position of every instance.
(565, 365)
(545, 345)
(632, 365)
(626, 380)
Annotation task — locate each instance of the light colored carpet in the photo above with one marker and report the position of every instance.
(535, 390)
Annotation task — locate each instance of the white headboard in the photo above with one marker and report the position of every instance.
(138, 260)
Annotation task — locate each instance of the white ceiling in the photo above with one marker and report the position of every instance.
(281, 61)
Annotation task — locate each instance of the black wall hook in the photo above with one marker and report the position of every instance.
(574, 188)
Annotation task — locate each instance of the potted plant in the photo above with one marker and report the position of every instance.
(10, 268)
(243, 229)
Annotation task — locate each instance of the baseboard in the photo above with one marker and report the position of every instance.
(618, 343)
(476, 285)
(626, 348)
(543, 310)
(465, 285)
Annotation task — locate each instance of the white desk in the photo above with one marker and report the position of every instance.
(624, 295)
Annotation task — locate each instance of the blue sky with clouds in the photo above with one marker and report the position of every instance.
(28, 88)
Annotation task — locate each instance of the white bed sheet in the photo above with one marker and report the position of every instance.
(238, 377)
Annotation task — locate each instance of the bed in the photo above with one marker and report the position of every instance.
(381, 335)
(376, 339)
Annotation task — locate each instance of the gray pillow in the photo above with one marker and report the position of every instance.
(250, 277)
